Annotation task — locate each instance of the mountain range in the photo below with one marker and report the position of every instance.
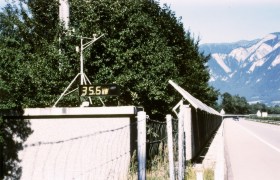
(247, 68)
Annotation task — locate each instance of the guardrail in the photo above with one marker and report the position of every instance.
(200, 122)
(235, 115)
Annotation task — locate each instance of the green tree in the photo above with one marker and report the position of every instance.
(14, 85)
(254, 108)
(227, 103)
(14, 131)
(234, 104)
(144, 46)
(274, 110)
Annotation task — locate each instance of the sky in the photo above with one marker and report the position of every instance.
(220, 21)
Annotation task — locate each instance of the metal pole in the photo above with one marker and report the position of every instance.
(181, 144)
(82, 63)
(141, 144)
(66, 90)
(170, 146)
(188, 132)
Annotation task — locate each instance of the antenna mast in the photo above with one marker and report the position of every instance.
(84, 79)
(64, 18)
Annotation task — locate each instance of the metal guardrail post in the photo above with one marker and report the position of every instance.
(170, 146)
(188, 132)
(181, 158)
(141, 144)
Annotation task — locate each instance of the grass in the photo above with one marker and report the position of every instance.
(273, 118)
(208, 174)
(269, 120)
(190, 174)
(158, 168)
(132, 174)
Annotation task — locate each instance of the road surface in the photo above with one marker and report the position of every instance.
(252, 150)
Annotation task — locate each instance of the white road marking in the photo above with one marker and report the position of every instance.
(260, 139)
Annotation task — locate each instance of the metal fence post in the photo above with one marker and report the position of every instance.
(141, 144)
(181, 158)
(170, 146)
(188, 132)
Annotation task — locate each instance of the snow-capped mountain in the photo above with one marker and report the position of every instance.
(247, 68)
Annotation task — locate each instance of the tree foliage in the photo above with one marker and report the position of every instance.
(143, 47)
(254, 108)
(234, 104)
(14, 131)
(239, 105)
(14, 87)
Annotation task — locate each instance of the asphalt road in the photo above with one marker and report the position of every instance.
(252, 150)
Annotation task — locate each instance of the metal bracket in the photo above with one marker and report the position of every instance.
(177, 106)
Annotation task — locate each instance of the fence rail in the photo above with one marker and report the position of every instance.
(204, 125)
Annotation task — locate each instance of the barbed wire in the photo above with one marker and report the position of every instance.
(79, 137)
(102, 154)
(156, 121)
(105, 153)
(105, 163)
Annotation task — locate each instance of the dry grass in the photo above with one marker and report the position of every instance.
(190, 173)
(159, 168)
(208, 174)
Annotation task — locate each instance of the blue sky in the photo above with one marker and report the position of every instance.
(216, 21)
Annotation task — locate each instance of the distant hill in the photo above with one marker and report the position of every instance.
(247, 68)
